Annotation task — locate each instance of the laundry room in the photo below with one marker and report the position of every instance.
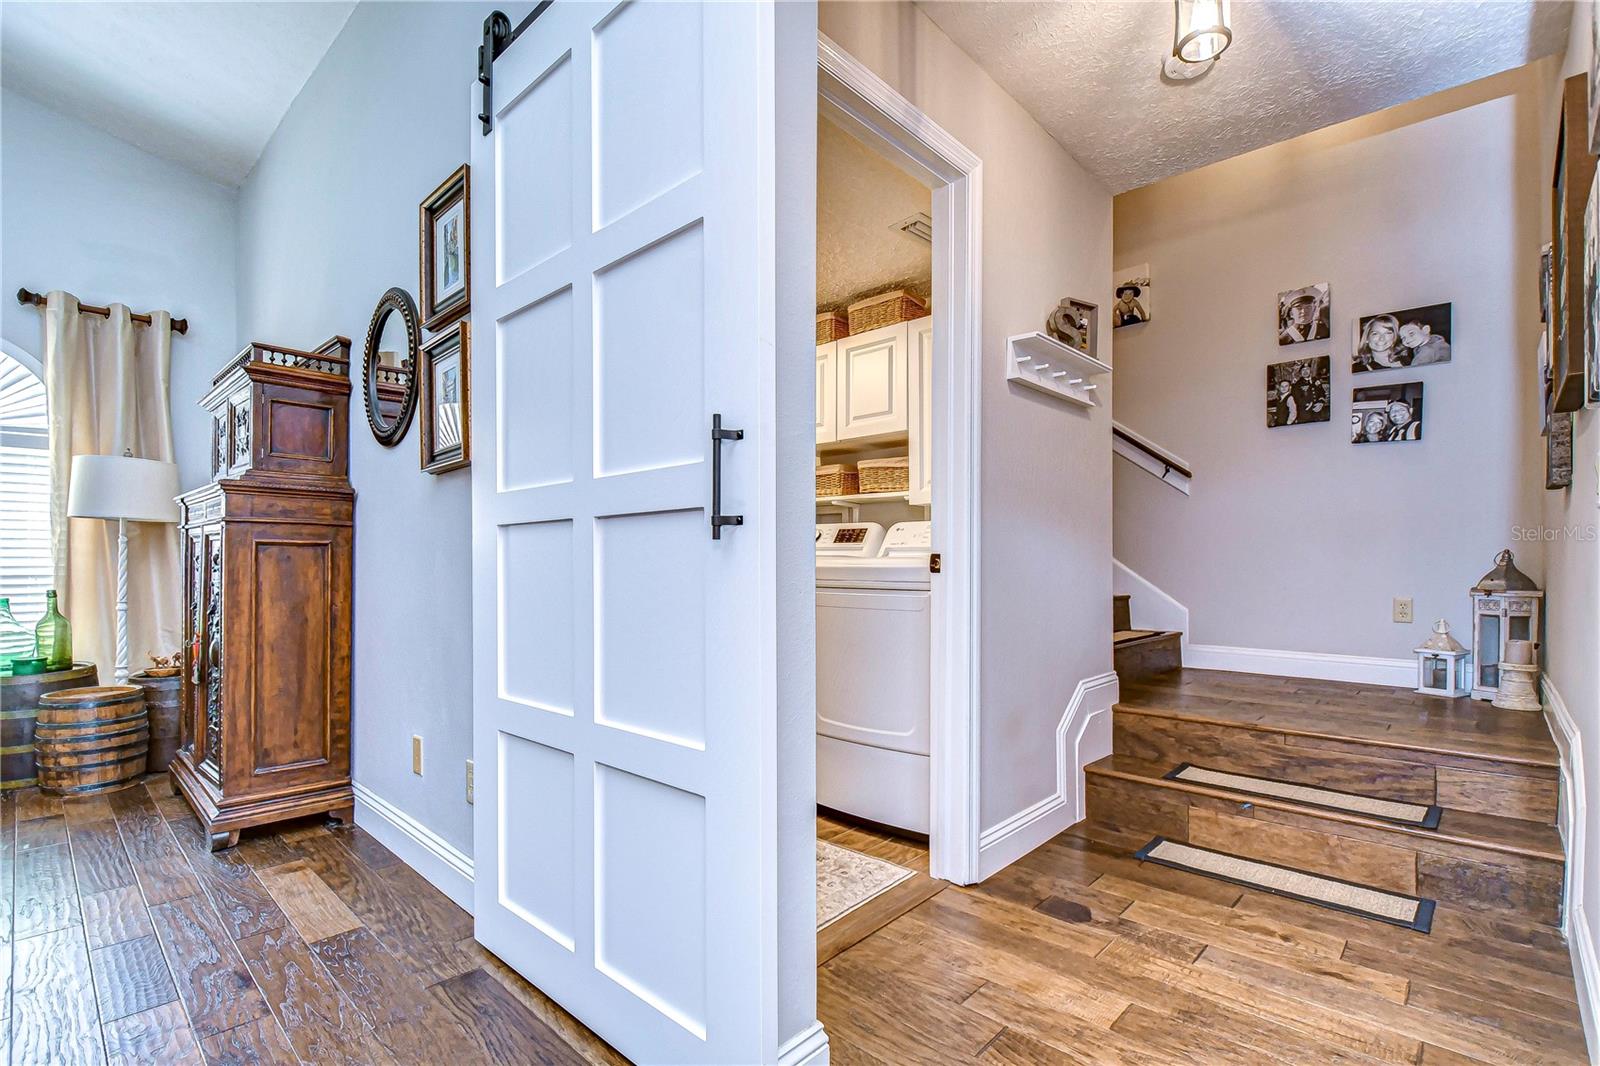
(875, 536)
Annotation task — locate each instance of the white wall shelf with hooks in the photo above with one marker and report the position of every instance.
(1041, 362)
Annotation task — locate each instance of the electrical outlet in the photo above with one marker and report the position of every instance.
(469, 780)
(1402, 608)
(416, 754)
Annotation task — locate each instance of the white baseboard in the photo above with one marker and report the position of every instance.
(441, 863)
(1082, 736)
(1362, 669)
(809, 1047)
(1574, 819)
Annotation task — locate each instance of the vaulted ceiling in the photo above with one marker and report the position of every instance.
(201, 84)
(1090, 70)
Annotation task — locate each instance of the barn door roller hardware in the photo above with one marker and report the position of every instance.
(498, 35)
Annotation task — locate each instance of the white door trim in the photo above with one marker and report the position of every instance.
(859, 100)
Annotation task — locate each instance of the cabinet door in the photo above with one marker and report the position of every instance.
(920, 432)
(827, 397)
(872, 387)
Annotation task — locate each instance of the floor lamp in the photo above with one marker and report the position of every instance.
(123, 489)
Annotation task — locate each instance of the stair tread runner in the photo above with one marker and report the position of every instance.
(1333, 710)
(1487, 831)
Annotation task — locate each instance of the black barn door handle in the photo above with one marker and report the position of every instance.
(718, 519)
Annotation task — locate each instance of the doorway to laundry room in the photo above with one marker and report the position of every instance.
(895, 580)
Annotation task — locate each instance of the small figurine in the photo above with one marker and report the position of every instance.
(164, 665)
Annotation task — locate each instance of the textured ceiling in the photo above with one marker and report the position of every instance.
(860, 196)
(201, 84)
(1090, 70)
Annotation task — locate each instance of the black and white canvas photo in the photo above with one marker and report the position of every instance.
(1131, 287)
(1297, 392)
(1417, 336)
(1591, 297)
(1383, 414)
(1304, 314)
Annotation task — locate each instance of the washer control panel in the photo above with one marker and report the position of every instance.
(907, 539)
(860, 540)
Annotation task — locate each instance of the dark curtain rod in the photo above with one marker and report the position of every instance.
(179, 325)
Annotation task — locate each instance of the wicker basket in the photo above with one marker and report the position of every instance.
(837, 479)
(885, 309)
(832, 326)
(885, 475)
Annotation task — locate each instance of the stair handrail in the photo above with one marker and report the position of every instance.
(1173, 464)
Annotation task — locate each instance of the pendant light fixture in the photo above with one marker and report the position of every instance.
(1202, 31)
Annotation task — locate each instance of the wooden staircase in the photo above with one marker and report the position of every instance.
(1495, 774)
(1141, 653)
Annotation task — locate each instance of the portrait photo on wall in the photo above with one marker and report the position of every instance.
(1417, 336)
(1131, 287)
(1304, 314)
(1383, 414)
(1297, 392)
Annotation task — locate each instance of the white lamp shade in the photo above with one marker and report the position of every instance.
(120, 486)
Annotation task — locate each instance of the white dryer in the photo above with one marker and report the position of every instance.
(873, 636)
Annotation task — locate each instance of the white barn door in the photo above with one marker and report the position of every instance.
(623, 676)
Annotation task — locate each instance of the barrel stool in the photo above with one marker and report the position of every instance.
(91, 739)
(19, 710)
(161, 697)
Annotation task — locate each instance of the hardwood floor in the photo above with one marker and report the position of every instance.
(129, 942)
(125, 940)
(880, 910)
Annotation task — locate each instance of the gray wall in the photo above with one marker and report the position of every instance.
(1046, 466)
(1295, 539)
(327, 222)
(109, 223)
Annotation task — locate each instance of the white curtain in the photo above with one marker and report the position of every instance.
(107, 391)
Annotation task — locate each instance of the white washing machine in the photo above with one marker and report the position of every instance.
(873, 634)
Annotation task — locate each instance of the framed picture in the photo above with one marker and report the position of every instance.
(1591, 306)
(1131, 287)
(1297, 392)
(1305, 314)
(445, 252)
(1385, 414)
(1394, 340)
(1558, 452)
(1594, 79)
(446, 412)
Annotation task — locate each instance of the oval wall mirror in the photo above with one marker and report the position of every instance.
(390, 362)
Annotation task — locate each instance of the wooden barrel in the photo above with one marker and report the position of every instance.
(19, 707)
(91, 739)
(161, 696)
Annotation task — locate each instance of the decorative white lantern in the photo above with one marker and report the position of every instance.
(1505, 606)
(1444, 667)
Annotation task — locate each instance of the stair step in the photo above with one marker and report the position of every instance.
(1487, 862)
(1416, 815)
(1140, 654)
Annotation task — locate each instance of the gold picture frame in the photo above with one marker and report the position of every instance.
(444, 247)
(444, 376)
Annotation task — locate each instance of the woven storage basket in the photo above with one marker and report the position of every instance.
(837, 479)
(832, 326)
(885, 475)
(885, 309)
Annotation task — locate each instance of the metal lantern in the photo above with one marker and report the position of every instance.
(1202, 30)
(1444, 667)
(1505, 606)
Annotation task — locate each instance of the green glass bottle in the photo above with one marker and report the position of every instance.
(52, 637)
(15, 641)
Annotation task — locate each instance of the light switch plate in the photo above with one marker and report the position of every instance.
(1402, 608)
(416, 754)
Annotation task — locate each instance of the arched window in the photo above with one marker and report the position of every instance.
(25, 566)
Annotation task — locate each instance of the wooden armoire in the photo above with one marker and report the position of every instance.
(265, 731)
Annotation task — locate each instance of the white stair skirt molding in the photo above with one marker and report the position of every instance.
(1573, 817)
(1148, 606)
(1323, 666)
(809, 1047)
(1083, 735)
(441, 864)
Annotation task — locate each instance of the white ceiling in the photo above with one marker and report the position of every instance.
(201, 84)
(860, 196)
(1089, 70)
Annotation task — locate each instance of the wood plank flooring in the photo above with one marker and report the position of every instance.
(123, 939)
(126, 941)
